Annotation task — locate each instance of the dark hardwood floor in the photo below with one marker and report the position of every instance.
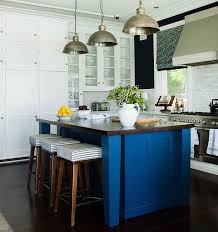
(24, 213)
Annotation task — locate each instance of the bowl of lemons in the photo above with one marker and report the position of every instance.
(65, 114)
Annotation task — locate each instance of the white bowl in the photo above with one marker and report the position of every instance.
(83, 113)
(65, 118)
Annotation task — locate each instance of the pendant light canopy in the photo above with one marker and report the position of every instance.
(102, 38)
(75, 46)
(141, 24)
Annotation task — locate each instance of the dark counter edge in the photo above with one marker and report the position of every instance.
(118, 132)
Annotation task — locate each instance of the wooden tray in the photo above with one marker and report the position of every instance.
(139, 121)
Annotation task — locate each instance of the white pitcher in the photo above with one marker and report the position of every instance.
(128, 114)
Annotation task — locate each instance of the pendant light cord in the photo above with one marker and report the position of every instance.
(75, 12)
(102, 13)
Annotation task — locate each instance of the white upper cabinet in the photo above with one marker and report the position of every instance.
(53, 31)
(2, 113)
(51, 57)
(52, 39)
(21, 28)
(53, 89)
(21, 55)
(21, 43)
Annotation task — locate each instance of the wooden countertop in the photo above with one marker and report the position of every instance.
(107, 127)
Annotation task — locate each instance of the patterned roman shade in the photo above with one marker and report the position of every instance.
(166, 44)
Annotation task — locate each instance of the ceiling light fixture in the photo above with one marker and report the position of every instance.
(102, 38)
(75, 47)
(141, 24)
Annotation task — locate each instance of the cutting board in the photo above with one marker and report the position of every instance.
(139, 121)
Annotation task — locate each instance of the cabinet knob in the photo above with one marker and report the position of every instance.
(65, 37)
(102, 82)
(2, 117)
(80, 94)
(36, 116)
(99, 82)
(1, 31)
(35, 34)
(1, 61)
(35, 62)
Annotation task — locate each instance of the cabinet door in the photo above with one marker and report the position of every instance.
(91, 77)
(21, 55)
(2, 114)
(21, 28)
(20, 111)
(126, 59)
(53, 31)
(109, 67)
(51, 56)
(73, 82)
(53, 89)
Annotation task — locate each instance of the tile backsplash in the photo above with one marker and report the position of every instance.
(204, 86)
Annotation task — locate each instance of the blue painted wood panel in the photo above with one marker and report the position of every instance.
(155, 171)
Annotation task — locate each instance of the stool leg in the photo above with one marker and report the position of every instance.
(42, 171)
(99, 167)
(53, 170)
(38, 165)
(87, 175)
(59, 183)
(32, 149)
(74, 192)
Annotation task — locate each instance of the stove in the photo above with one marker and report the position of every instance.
(203, 121)
(200, 119)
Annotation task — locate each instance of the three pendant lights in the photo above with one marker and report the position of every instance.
(140, 24)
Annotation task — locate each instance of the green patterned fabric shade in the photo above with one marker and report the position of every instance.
(166, 44)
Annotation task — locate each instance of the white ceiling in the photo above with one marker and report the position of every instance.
(124, 8)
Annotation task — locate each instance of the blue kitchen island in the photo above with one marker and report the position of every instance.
(145, 168)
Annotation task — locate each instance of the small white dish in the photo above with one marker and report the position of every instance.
(83, 113)
(65, 118)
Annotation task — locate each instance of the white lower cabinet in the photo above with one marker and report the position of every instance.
(20, 111)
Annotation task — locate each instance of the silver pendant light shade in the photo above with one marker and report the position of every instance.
(102, 38)
(141, 24)
(75, 47)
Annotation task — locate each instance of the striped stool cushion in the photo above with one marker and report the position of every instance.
(51, 145)
(36, 140)
(79, 152)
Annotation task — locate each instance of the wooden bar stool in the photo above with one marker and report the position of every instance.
(76, 154)
(35, 144)
(49, 146)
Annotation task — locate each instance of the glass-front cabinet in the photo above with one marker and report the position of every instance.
(73, 81)
(102, 69)
(126, 59)
(91, 66)
(109, 67)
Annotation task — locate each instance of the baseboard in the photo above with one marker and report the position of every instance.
(15, 160)
(204, 167)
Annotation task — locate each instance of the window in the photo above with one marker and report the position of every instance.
(177, 83)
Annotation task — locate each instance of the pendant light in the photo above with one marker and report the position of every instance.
(102, 38)
(141, 24)
(75, 46)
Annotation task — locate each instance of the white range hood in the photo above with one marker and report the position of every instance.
(198, 43)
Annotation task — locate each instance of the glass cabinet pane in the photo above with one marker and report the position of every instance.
(91, 74)
(109, 66)
(125, 61)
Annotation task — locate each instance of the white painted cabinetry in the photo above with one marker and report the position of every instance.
(33, 78)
